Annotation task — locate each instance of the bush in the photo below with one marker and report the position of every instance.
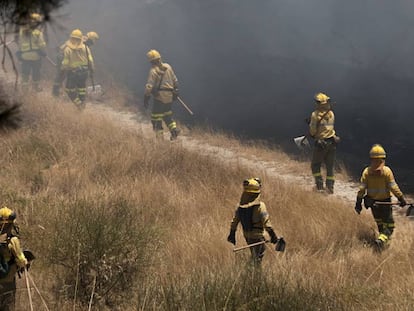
(106, 242)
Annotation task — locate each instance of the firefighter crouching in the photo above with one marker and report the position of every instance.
(377, 185)
(253, 215)
(162, 84)
(12, 258)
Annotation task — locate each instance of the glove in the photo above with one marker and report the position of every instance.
(232, 237)
(22, 263)
(175, 94)
(402, 201)
(146, 101)
(358, 205)
(273, 236)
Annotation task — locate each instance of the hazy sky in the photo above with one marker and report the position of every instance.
(253, 66)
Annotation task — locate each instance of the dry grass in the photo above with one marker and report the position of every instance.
(69, 174)
(264, 152)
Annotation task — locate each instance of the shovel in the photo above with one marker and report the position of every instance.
(302, 142)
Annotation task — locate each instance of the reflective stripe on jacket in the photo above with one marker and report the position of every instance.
(378, 184)
(31, 42)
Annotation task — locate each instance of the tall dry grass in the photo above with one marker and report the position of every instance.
(149, 221)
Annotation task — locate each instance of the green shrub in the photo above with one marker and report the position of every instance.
(103, 240)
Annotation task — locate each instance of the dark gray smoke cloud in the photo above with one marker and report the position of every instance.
(252, 67)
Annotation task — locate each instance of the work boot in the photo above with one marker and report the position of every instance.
(78, 103)
(159, 135)
(381, 241)
(379, 245)
(174, 133)
(55, 91)
(330, 186)
(319, 185)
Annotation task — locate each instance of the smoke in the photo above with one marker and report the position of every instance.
(252, 67)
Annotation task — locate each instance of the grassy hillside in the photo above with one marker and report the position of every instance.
(143, 225)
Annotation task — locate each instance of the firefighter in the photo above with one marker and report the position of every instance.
(377, 185)
(32, 47)
(253, 215)
(321, 128)
(60, 74)
(89, 40)
(12, 259)
(162, 84)
(77, 63)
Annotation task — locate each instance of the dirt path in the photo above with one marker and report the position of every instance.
(343, 190)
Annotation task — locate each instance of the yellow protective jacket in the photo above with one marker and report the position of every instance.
(321, 125)
(31, 43)
(76, 56)
(161, 82)
(254, 218)
(13, 250)
(61, 49)
(378, 184)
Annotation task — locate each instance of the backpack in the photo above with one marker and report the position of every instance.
(4, 265)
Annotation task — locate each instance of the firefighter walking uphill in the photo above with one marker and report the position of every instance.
(89, 40)
(377, 185)
(253, 215)
(77, 63)
(162, 84)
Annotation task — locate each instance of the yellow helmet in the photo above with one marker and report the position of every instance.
(153, 55)
(252, 185)
(321, 98)
(7, 215)
(92, 35)
(77, 34)
(377, 152)
(36, 17)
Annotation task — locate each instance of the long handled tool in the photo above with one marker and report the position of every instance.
(185, 106)
(90, 69)
(28, 289)
(50, 61)
(385, 203)
(410, 208)
(248, 246)
(280, 245)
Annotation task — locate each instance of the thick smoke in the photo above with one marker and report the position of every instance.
(252, 67)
